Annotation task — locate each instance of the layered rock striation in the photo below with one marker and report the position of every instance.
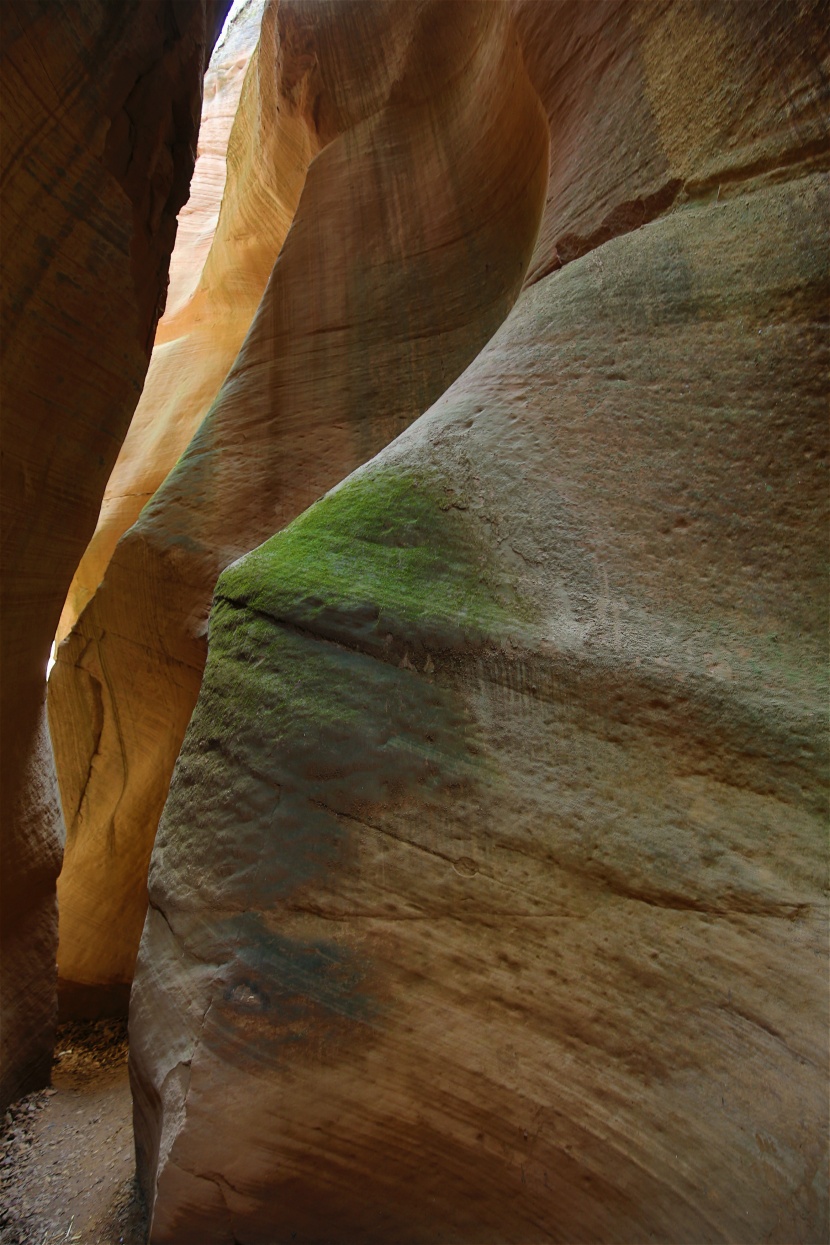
(101, 109)
(489, 902)
(412, 235)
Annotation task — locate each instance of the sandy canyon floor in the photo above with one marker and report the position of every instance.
(66, 1153)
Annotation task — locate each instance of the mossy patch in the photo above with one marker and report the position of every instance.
(292, 744)
(389, 552)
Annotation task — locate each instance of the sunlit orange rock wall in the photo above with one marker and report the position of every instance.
(411, 238)
(221, 263)
(101, 107)
(489, 903)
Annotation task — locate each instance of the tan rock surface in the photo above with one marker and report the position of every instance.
(100, 114)
(412, 235)
(490, 899)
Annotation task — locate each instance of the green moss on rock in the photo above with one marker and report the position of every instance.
(388, 552)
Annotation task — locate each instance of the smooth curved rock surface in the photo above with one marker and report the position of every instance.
(413, 232)
(101, 108)
(489, 903)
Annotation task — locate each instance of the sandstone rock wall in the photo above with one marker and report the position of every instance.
(411, 239)
(490, 898)
(100, 114)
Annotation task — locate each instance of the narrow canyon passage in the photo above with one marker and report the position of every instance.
(67, 1160)
(413, 231)
(101, 109)
(437, 760)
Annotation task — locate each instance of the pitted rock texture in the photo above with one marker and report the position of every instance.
(489, 903)
(101, 110)
(413, 233)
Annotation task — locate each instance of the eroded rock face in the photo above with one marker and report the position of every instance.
(100, 115)
(489, 900)
(414, 229)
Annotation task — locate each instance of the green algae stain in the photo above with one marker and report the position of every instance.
(303, 756)
(281, 997)
(387, 551)
(273, 966)
(312, 768)
(293, 745)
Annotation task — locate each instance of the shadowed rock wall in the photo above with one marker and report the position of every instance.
(101, 107)
(411, 239)
(489, 902)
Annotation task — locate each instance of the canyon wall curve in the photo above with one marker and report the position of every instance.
(489, 901)
(101, 108)
(410, 242)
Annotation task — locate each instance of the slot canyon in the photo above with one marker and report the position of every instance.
(415, 445)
